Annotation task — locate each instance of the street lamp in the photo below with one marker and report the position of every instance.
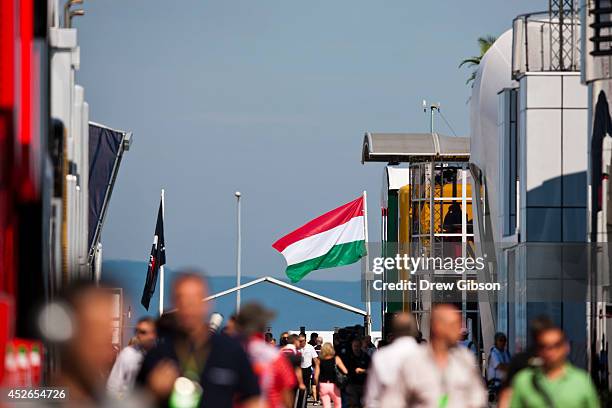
(238, 249)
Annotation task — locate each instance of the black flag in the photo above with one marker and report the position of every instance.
(156, 259)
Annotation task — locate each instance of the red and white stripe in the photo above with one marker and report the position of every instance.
(316, 238)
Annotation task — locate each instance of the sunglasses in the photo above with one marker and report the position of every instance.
(141, 331)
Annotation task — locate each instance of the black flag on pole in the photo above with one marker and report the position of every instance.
(156, 259)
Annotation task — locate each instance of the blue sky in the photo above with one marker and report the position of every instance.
(271, 98)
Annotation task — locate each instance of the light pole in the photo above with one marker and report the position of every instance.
(238, 249)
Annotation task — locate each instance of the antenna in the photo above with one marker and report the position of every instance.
(433, 107)
(69, 14)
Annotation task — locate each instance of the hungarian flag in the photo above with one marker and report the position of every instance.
(156, 259)
(333, 239)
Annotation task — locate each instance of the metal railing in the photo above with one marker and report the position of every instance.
(541, 43)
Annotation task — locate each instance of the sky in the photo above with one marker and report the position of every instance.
(271, 98)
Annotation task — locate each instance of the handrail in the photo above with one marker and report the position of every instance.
(541, 43)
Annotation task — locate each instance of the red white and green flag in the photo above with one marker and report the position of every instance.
(335, 238)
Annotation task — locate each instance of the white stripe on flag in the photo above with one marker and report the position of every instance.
(320, 244)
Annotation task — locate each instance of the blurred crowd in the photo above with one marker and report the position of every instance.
(186, 359)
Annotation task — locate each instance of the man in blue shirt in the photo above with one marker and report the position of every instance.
(190, 363)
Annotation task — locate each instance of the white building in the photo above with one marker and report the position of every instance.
(529, 155)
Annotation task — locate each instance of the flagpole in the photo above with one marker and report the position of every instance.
(368, 301)
(238, 249)
(161, 267)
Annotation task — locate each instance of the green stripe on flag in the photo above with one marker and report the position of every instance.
(339, 255)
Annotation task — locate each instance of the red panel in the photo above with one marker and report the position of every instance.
(7, 53)
(8, 100)
(26, 178)
(7, 217)
(6, 328)
(6, 324)
(26, 34)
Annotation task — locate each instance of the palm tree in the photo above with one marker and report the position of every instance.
(484, 43)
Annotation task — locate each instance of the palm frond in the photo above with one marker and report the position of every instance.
(484, 43)
(472, 78)
(472, 61)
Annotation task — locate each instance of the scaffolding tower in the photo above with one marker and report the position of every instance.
(434, 217)
(439, 207)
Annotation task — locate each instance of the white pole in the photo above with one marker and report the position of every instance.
(238, 249)
(161, 268)
(98, 263)
(368, 301)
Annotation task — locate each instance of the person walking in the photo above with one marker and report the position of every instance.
(442, 375)
(290, 351)
(276, 374)
(554, 382)
(291, 344)
(85, 312)
(368, 346)
(230, 326)
(357, 363)
(327, 378)
(127, 365)
(319, 344)
(193, 366)
(497, 365)
(388, 361)
(309, 360)
(524, 359)
(466, 342)
(283, 339)
(314, 337)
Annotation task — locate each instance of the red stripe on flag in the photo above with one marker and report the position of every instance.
(322, 223)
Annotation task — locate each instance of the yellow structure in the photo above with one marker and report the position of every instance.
(444, 197)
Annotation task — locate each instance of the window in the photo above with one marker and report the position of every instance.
(508, 159)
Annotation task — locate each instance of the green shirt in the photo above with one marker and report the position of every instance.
(573, 389)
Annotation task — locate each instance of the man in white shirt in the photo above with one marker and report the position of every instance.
(128, 362)
(387, 362)
(443, 375)
(290, 350)
(310, 358)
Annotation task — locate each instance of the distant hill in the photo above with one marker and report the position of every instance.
(293, 310)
